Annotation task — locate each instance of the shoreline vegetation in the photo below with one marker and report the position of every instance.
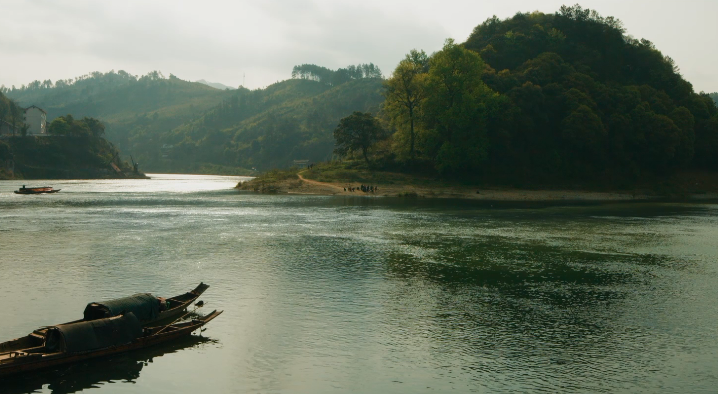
(72, 149)
(331, 179)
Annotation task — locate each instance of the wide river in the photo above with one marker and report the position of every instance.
(368, 295)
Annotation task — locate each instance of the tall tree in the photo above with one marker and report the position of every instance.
(358, 131)
(455, 110)
(405, 91)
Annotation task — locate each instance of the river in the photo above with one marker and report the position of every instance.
(368, 295)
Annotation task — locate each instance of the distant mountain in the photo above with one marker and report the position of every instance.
(215, 85)
(172, 125)
(714, 96)
(132, 108)
(290, 120)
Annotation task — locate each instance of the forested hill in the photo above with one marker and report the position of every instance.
(578, 97)
(714, 96)
(132, 108)
(290, 120)
(117, 95)
(168, 124)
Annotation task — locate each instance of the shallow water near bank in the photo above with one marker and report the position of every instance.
(364, 295)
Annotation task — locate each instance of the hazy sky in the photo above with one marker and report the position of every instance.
(221, 40)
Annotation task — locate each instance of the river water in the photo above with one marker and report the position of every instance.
(369, 295)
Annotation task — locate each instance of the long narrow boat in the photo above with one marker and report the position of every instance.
(73, 342)
(146, 307)
(149, 309)
(36, 190)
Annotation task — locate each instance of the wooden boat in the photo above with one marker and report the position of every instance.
(36, 190)
(167, 309)
(74, 342)
(142, 305)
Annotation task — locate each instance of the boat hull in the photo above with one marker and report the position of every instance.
(39, 361)
(36, 190)
(183, 301)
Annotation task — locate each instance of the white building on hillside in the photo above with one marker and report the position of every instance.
(36, 119)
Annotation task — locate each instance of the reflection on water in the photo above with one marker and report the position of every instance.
(347, 294)
(125, 368)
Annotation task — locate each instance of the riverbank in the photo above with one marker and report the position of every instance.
(322, 182)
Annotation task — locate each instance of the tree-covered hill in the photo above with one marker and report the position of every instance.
(127, 104)
(115, 95)
(578, 97)
(269, 128)
(714, 96)
(172, 125)
(74, 148)
(540, 98)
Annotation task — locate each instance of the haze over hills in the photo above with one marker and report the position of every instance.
(215, 85)
(168, 124)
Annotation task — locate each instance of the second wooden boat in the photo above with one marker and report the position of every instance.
(150, 310)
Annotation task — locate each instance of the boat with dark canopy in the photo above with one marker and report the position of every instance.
(148, 309)
(82, 340)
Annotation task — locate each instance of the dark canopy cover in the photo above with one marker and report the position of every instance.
(145, 307)
(93, 335)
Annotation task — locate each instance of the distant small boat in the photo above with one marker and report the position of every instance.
(36, 190)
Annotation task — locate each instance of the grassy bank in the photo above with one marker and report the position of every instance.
(274, 181)
(344, 178)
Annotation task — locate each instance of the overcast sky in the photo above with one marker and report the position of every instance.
(221, 41)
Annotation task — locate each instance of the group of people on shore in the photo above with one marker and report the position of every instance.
(364, 188)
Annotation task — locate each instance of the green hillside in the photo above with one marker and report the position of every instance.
(131, 107)
(536, 98)
(74, 148)
(714, 96)
(269, 128)
(171, 125)
(118, 96)
(580, 98)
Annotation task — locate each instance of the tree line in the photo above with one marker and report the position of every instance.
(110, 78)
(336, 77)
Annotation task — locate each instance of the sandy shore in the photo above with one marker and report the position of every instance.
(312, 187)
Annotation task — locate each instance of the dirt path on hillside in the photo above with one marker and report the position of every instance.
(323, 185)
